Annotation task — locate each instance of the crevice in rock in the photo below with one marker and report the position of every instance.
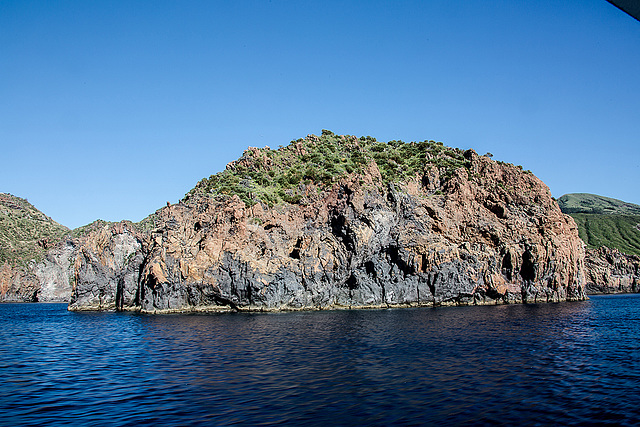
(391, 196)
(340, 229)
(152, 282)
(431, 284)
(295, 252)
(137, 300)
(394, 256)
(491, 236)
(432, 213)
(424, 263)
(383, 292)
(120, 294)
(370, 268)
(497, 209)
(352, 282)
(528, 269)
(343, 191)
(494, 294)
(224, 301)
(425, 181)
(507, 266)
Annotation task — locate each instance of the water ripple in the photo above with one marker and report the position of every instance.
(570, 364)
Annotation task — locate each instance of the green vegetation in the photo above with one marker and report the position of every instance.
(594, 204)
(25, 232)
(282, 175)
(147, 224)
(85, 230)
(614, 231)
(603, 221)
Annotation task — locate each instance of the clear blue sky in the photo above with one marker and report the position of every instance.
(109, 109)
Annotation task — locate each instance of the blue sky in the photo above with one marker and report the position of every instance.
(110, 109)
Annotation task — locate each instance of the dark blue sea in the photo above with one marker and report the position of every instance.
(549, 364)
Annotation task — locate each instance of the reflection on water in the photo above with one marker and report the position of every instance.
(569, 363)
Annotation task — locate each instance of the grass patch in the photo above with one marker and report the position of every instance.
(614, 231)
(282, 175)
(594, 204)
(25, 232)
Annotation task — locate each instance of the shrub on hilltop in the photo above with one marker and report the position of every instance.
(283, 175)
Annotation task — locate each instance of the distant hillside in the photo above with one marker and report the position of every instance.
(594, 204)
(603, 221)
(25, 232)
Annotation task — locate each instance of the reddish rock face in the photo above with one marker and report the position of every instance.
(17, 284)
(609, 271)
(488, 234)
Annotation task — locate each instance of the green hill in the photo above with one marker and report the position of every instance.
(25, 232)
(603, 221)
(277, 176)
(594, 204)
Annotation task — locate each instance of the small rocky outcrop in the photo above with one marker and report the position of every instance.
(107, 269)
(485, 233)
(609, 271)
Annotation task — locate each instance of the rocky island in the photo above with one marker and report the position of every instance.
(336, 221)
(325, 222)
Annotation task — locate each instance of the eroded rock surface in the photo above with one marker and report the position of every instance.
(485, 235)
(107, 269)
(49, 280)
(609, 271)
(55, 273)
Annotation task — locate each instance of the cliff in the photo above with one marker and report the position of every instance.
(609, 271)
(34, 260)
(341, 222)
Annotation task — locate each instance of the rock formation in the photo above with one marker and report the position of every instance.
(35, 255)
(609, 271)
(107, 268)
(484, 233)
(48, 280)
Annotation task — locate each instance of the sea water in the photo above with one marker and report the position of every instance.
(562, 364)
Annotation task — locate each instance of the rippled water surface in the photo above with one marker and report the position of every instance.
(568, 363)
